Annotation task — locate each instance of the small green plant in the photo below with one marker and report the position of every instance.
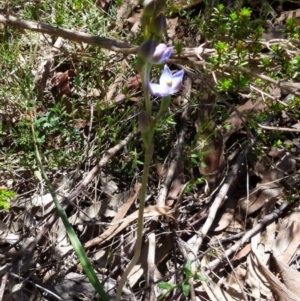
(178, 47)
(192, 184)
(5, 196)
(185, 285)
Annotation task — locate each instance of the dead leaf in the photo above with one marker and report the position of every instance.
(171, 31)
(175, 190)
(109, 187)
(258, 284)
(216, 293)
(61, 82)
(280, 291)
(125, 11)
(150, 211)
(120, 214)
(74, 285)
(225, 216)
(235, 282)
(289, 276)
(209, 141)
(288, 238)
(94, 93)
(287, 163)
(103, 4)
(242, 253)
(269, 189)
(235, 119)
(43, 75)
(113, 89)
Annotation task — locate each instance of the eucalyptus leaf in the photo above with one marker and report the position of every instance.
(187, 269)
(185, 289)
(165, 285)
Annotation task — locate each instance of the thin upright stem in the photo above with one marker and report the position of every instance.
(140, 225)
(145, 80)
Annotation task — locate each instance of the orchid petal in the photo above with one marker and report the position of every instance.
(168, 83)
(165, 77)
(176, 81)
(157, 90)
(166, 55)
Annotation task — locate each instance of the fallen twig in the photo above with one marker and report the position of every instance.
(196, 241)
(293, 88)
(151, 266)
(261, 224)
(273, 128)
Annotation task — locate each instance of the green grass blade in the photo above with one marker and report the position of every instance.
(80, 253)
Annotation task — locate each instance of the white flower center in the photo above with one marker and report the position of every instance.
(169, 82)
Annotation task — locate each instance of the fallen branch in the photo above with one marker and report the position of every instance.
(82, 37)
(261, 224)
(77, 36)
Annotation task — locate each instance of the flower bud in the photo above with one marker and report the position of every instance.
(146, 129)
(149, 8)
(146, 50)
(159, 25)
(161, 54)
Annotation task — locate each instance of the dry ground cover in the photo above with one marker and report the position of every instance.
(222, 216)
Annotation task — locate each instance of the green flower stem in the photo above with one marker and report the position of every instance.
(80, 253)
(140, 225)
(145, 74)
(164, 106)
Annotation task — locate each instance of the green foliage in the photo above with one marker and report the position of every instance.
(185, 286)
(5, 196)
(178, 47)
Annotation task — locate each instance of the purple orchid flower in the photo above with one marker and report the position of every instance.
(168, 83)
(161, 54)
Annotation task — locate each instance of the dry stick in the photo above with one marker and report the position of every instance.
(77, 36)
(3, 284)
(272, 128)
(293, 88)
(196, 241)
(151, 266)
(122, 47)
(81, 37)
(106, 43)
(261, 224)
